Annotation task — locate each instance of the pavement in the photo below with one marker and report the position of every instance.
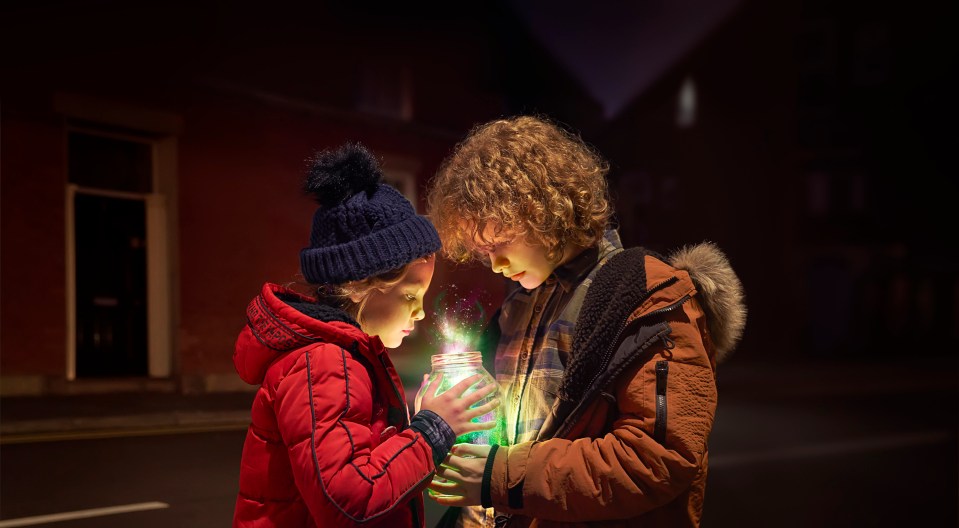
(77, 416)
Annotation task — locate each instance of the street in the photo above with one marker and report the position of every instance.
(837, 452)
(196, 474)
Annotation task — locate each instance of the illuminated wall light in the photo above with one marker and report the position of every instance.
(686, 102)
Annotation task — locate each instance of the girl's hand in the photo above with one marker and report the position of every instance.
(463, 472)
(456, 409)
(417, 402)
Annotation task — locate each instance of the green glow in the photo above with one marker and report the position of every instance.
(456, 367)
(452, 376)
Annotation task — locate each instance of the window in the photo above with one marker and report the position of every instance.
(102, 162)
(686, 104)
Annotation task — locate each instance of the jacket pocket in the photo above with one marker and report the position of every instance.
(662, 379)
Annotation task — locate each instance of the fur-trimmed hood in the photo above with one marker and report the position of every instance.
(638, 287)
(720, 293)
(625, 289)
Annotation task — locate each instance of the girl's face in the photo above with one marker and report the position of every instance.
(391, 314)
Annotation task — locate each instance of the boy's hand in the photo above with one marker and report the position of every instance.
(456, 409)
(463, 469)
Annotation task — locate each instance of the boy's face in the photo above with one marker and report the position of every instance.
(515, 257)
(391, 314)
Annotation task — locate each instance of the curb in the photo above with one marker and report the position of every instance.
(57, 429)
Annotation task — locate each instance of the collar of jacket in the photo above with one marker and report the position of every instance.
(569, 275)
(284, 317)
(279, 326)
(631, 285)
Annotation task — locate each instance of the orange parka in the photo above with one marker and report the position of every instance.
(626, 441)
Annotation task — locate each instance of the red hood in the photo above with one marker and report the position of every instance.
(275, 327)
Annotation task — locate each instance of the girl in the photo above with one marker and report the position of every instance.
(331, 442)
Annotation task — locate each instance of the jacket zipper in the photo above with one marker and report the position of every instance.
(665, 309)
(396, 391)
(416, 515)
(662, 374)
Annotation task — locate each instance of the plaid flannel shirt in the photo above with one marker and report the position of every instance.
(536, 338)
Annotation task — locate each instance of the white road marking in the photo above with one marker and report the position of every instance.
(83, 514)
(862, 445)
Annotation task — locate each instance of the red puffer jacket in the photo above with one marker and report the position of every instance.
(328, 444)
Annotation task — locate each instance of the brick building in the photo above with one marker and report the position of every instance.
(153, 156)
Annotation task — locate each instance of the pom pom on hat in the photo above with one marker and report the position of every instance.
(335, 175)
(363, 227)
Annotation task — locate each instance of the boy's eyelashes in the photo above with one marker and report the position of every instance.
(483, 253)
(482, 257)
(487, 249)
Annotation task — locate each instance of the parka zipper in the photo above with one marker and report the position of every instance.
(406, 423)
(682, 300)
(396, 391)
(662, 373)
(662, 376)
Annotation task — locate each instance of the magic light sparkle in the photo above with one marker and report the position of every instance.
(459, 327)
(460, 323)
(460, 320)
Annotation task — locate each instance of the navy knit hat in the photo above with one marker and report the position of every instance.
(363, 227)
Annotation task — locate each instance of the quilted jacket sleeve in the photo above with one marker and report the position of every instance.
(627, 471)
(324, 407)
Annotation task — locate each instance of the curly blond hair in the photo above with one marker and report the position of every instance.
(523, 176)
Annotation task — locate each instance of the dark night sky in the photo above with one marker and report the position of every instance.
(618, 49)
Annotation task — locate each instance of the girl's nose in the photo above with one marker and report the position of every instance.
(418, 313)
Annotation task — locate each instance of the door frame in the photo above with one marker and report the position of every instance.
(158, 257)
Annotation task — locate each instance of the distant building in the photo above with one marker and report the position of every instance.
(806, 138)
(153, 156)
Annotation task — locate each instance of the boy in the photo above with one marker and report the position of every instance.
(606, 357)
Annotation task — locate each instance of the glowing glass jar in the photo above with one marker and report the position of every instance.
(457, 366)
